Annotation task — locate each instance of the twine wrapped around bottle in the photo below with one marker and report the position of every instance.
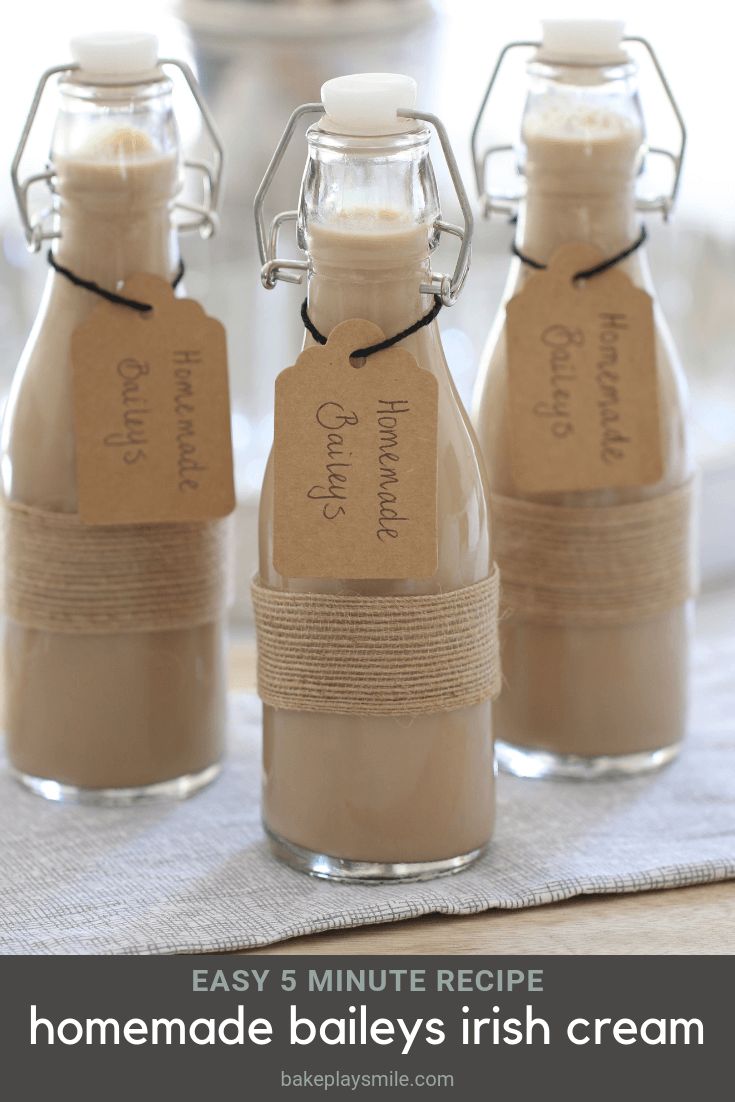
(368, 655)
(65, 576)
(595, 566)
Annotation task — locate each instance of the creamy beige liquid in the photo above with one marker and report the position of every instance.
(380, 788)
(100, 711)
(586, 690)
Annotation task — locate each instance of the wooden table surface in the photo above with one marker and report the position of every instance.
(684, 920)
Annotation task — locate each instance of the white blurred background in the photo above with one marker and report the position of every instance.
(257, 59)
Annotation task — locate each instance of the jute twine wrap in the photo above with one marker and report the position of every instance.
(595, 566)
(61, 575)
(357, 655)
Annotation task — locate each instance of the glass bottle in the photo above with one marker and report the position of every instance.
(380, 797)
(586, 700)
(121, 716)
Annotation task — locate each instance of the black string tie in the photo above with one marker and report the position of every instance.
(363, 353)
(596, 269)
(110, 296)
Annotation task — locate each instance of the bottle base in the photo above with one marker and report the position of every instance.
(523, 761)
(325, 867)
(178, 788)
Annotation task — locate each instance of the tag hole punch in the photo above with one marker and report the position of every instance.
(358, 361)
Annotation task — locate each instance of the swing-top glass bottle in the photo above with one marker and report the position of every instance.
(361, 796)
(120, 716)
(584, 701)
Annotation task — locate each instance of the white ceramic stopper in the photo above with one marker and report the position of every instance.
(115, 54)
(367, 103)
(582, 41)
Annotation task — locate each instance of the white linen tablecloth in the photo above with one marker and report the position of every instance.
(197, 876)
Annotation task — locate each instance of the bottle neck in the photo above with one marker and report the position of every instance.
(375, 278)
(582, 144)
(367, 220)
(549, 219)
(110, 248)
(116, 157)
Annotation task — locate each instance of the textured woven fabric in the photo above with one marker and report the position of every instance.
(378, 655)
(197, 876)
(617, 564)
(65, 576)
